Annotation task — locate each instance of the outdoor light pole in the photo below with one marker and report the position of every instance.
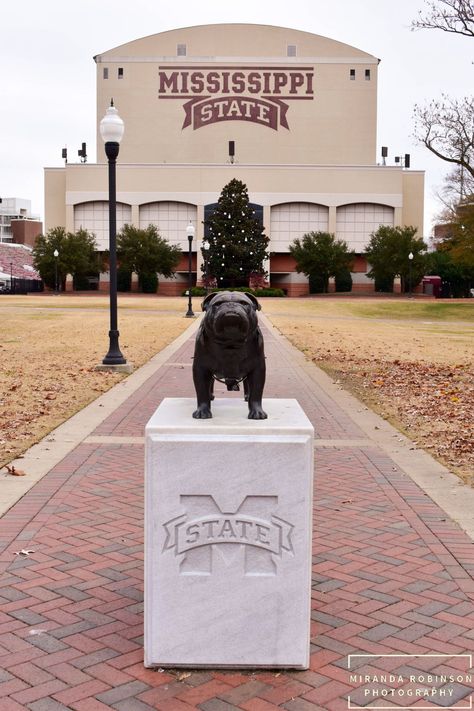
(111, 131)
(12, 288)
(206, 246)
(410, 260)
(56, 255)
(190, 234)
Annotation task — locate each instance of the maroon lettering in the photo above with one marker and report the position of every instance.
(168, 82)
(213, 83)
(197, 82)
(238, 82)
(184, 82)
(280, 80)
(225, 83)
(266, 82)
(296, 80)
(254, 83)
(236, 89)
(274, 82)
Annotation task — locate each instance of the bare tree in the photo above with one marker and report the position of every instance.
(458, 187)
(446, 128)
(455, 16)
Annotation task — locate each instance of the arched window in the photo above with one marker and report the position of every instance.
(94, 217)
(356, 222)
(291, 220)
(171, 219)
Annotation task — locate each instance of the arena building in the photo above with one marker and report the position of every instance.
(291, 114)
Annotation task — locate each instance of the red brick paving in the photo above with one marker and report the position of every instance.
(392, 575)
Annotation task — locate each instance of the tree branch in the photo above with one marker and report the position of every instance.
(452, 16)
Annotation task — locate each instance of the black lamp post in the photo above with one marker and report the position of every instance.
(410, 260)
(12, 286)
(190, 234)
(56, 288)
(111, 131)
(206, 246)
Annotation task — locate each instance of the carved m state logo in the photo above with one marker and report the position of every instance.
(204, 531)
(230, 93)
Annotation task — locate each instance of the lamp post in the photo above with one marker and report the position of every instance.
(11, 278)
(111, 131)
(410, 260)
(190, 234)
(206, 246)
(56, 255)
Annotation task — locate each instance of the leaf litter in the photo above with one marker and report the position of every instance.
(420, 378)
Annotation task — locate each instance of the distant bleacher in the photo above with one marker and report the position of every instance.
(16, 260)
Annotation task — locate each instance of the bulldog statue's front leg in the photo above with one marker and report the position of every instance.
(203, 383)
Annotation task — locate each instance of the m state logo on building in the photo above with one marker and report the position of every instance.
(229, 93)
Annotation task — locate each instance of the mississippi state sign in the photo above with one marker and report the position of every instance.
(228, 93)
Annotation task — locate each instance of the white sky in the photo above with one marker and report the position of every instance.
(47, 79)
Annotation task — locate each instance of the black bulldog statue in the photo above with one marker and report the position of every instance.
(229, 348)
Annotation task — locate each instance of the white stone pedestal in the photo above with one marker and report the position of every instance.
(228, 511)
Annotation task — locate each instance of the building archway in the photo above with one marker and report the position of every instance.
(291, 220)
(94, 217)
(171, 219)
(356, 222)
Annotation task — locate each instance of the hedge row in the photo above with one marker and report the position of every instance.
(266, 291)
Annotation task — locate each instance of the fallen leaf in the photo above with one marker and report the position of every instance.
(180, 676)
(14, 471)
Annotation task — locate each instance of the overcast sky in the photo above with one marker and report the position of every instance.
(48, 72)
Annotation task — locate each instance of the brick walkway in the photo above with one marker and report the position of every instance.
(392, 576)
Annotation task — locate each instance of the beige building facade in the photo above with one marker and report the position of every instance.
(291, 114)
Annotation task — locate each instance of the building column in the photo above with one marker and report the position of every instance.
(332, 220)
(69, 226)
(136, 215)
(397, 217)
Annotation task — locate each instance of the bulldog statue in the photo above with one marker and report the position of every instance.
(229, 348)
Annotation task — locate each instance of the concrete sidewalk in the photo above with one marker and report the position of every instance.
(392, 569)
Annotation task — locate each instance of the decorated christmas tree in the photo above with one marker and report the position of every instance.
(237, 243)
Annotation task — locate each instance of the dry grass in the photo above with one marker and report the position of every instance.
(412, 362)
(49, 347)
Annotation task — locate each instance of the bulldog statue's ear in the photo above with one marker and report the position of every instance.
(254, 301)
(205, 304)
